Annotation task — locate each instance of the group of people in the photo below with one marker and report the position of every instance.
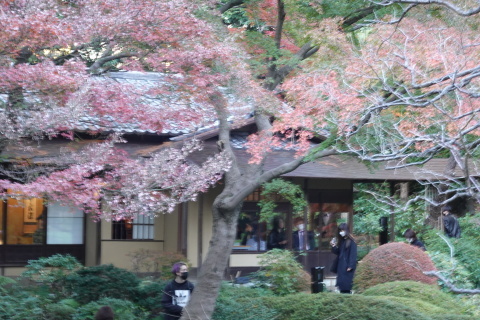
(450, 226)
(301, 238)
(177, 293)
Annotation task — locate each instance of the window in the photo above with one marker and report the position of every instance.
(140, 228)
(30, 221)
(251, 234)
(64, 225)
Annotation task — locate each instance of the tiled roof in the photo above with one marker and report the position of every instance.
(345, 167)
(145, 81)
(142, 84)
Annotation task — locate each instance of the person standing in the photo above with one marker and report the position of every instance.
(450, 223)
(177, 293)
(346, 262)
(302, 239)
(276, 238)
(411, 237)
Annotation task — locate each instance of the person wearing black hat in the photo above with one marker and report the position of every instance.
(450, 223)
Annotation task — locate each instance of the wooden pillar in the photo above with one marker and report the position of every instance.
(392, 213)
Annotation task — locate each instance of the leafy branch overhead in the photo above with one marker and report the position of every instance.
(279, 190)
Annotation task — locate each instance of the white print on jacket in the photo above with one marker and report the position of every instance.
(181, 297)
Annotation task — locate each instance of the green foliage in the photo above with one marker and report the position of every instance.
(266, 49)
(59, 311)
(51, 269)
(157, 262)
(148, 295)
(237, 18)
(393, 262)
(5, 281)
(419, 296)
(371, 203)
(281, 272)
(50, 273)
(463, 269)
(339, 306)
(281, 189)
(123, 310)
(93, 283)
(15, 308)
(235, 303)
(452, 269)
(368, 210)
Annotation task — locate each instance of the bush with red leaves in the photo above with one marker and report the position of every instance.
(395, 261)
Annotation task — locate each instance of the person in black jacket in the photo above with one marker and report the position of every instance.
(411, 237)
(450, 223)
(346, 262)
(276, 238)
(177, 293)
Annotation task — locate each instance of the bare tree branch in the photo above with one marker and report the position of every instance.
(449, 285)
(447, 4)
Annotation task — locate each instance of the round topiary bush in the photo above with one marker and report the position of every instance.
(394, 261)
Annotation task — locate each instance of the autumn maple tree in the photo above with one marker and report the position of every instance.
(381, 80)
(52, 56)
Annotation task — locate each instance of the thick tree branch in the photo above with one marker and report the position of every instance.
(231, 4)
(358, 15)
(276, 76)
(96, 68)
(278, 171)
(449, 285)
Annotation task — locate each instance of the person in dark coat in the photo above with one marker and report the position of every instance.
(411, 237)
(450, 223)
(346, 250)
(276, 238)
(177, 293)
(299, 241)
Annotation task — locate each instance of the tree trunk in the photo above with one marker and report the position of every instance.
(211, 274)
(239, 183)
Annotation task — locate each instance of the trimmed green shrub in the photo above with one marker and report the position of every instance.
(50, 272)
(419, 296)
(235, 303)
(6, 281)
(328, 305)
(282, 273)
(59, 311)
(51, 269)
(6, 284)
(394, 261)
(123, 310)
(472, 304)
(94, 283)
(15, 308)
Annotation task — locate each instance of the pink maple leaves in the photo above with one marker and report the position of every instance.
(104, 181)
